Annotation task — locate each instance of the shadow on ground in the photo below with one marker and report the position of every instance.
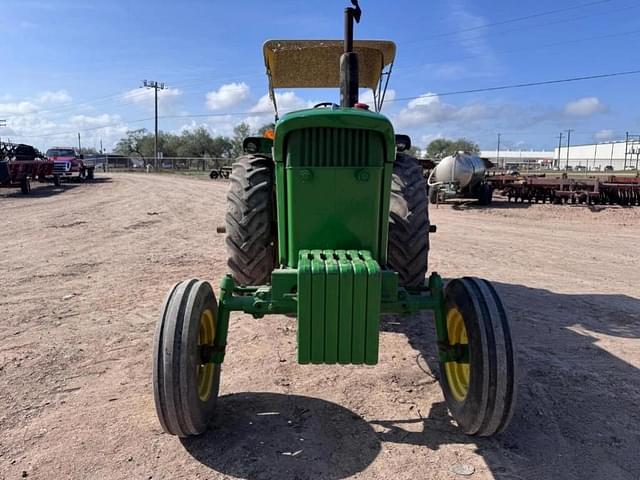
(44, 190)
(270, 435)
(578, 413)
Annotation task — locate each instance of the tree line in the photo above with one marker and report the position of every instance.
(199, 143)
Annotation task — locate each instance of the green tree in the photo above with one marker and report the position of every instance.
(132, 143)
(240, 132)
(442, 147)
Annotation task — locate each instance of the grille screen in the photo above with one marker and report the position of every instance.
(334, 147)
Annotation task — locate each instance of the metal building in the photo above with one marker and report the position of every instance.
(620, 155)
(519, 158)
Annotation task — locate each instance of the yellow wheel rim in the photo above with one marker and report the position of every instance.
(457, 373)
(206, 335)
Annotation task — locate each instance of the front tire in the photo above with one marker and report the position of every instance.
(480, 393)
(408, 222)
(250, 220)
(186, 389)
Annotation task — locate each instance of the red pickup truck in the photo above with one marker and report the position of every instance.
(68, 163)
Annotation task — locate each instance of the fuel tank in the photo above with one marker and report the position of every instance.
(461, 168)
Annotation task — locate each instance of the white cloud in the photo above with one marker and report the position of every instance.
(42, 101)
(604, 135)
(287, 101)
(430, 109)
(367, 96)
(48, 98)
(87, 121)
(227, 96)
(584, 107)
(145, 98)
(17, 108)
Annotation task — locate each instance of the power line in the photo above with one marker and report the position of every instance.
(518, 85)
(520, 50)
(429, 95)
(512, 20)
(538, 26)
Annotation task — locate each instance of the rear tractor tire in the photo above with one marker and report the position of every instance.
(480, 393)
(250, 220)
(408, 222)
(185, 386)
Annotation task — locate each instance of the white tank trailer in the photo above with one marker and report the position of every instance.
(460, 176)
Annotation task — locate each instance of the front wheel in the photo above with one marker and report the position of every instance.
(480, 387)
(185, 383)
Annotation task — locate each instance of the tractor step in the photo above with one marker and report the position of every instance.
(339, 297)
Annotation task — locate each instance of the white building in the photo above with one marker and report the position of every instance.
(518, 158)
(599, 155)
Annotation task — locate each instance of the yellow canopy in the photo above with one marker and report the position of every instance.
(316, 63)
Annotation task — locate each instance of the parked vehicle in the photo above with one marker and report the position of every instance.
(69, 164)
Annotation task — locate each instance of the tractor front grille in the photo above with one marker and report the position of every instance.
(334, 147)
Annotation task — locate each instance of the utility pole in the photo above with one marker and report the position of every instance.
(156, 86)
(626, 148)
(79, 145)
(568, 147)
(559, 149)
(498, 153)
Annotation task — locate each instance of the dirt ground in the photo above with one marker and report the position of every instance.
(83, 273)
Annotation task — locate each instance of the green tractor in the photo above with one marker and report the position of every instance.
(327, 221)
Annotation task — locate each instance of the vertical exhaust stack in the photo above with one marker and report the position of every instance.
(349, 73)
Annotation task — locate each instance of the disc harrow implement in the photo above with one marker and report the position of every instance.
(612, 190)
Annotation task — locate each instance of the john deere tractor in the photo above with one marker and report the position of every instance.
(327, 221)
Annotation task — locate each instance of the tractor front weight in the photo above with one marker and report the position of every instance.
(337, 341)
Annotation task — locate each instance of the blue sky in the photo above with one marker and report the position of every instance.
(70, 66)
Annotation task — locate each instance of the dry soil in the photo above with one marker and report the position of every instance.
(83, 273)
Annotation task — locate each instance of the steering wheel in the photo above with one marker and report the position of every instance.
(326, 104)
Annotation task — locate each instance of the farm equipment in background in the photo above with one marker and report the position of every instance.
(221, 172)
(460, 176)
(610, 190)
(328, 222)
(20, 164)
(69, 164)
